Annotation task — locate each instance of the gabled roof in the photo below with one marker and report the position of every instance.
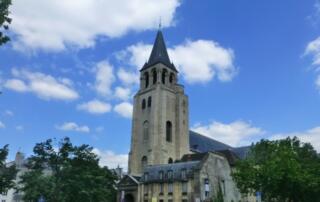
(159, 54)
(201, 144)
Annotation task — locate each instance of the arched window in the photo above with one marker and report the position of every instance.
(169, 131)
(170, 160)
(154, 76)
(163, 76)
(171, 77)
(145, 130)
(143, 105)
(144, 162)
(149, 101)
(146, 75)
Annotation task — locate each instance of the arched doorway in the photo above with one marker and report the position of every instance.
(128, 198)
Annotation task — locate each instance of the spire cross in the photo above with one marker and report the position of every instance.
(160, 23)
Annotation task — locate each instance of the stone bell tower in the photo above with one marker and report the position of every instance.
(160, 121)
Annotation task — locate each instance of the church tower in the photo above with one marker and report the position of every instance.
(160, 124)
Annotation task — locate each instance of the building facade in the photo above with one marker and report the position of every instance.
(167, 162)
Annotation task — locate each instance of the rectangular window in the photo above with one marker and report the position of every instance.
(170, 188)
(184, 187)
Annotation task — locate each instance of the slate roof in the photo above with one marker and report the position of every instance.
(176, 168)
(202, 144)
(159, 54)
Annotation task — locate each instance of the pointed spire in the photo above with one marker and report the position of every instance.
(159, 53)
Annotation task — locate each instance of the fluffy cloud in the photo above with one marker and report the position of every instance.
(238, 133)
(19, 128)
(44, 86)
(104, 78)
(209, 60)
(312, 136)
(127, 77)
(51, 24)
(111, 159)
(202, 60)
(16, 85)
(9, 113)
(2, 125)
(95, 107)
(71, 126)
(124, 109)
(122, 93)
(313, 49)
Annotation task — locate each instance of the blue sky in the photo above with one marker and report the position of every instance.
(250, 68)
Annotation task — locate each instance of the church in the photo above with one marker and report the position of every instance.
(167, 161)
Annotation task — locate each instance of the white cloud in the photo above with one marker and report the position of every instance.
(16, 85)
(2, 125)
(124, 109)
(9, 113)
(238, 133)
(318, 82)
(19, 128)
(313, 49)
(51, 24)
(104, 78)
(128, 78)
(198, 61)
(71, 126)
(95, 107)
(202, 60)
(44, 86)
(111, 159)
(99, 129)
(122, 93)
(311, 136)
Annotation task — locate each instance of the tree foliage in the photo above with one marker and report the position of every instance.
(4, 20)
(7, 173)
(282, 170)
(219, 195)
(65, 174)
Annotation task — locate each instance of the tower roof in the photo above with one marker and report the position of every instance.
(159, 54)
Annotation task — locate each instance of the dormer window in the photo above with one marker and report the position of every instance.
(184, 173)
(170, 175)
(145, 176)
(161, 175)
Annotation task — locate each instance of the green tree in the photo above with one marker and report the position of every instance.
(66, 174)
(282, 170)
(7, 173)
(219, 195)
(4, 20)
